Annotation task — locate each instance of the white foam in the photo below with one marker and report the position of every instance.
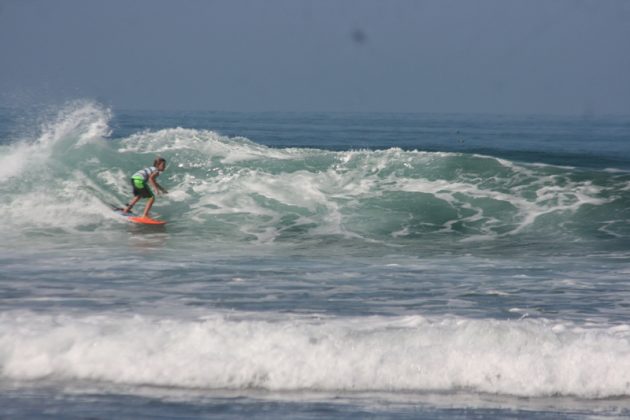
(204, 143)
(42, 189)
(487, 205)
(525, 358)
(77, 124)
(15, 159)
(553, 195)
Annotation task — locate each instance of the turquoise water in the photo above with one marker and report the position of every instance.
(336, 265)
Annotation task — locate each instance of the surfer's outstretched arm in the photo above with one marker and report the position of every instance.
(157, 187)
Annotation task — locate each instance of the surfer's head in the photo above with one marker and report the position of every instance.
(160, 163)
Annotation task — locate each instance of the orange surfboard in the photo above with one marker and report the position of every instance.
(139, 219)
(146, 220)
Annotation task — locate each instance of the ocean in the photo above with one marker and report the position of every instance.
(314, 265)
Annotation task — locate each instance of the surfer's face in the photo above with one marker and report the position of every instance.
(161, 166)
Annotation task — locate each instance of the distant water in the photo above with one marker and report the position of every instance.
(315, 265)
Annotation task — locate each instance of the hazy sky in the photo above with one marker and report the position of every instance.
(488, 56)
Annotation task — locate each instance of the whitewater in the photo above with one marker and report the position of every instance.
(337, 265)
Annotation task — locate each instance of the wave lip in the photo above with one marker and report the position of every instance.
(528, 358)
(76, 125)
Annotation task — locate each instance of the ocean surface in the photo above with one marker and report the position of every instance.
(314, 266)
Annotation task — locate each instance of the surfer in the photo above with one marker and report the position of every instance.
(139, 182)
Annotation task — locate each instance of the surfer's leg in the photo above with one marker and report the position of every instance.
(133, 203)
(148, 207)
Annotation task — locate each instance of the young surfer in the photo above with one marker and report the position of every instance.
(139, 182)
